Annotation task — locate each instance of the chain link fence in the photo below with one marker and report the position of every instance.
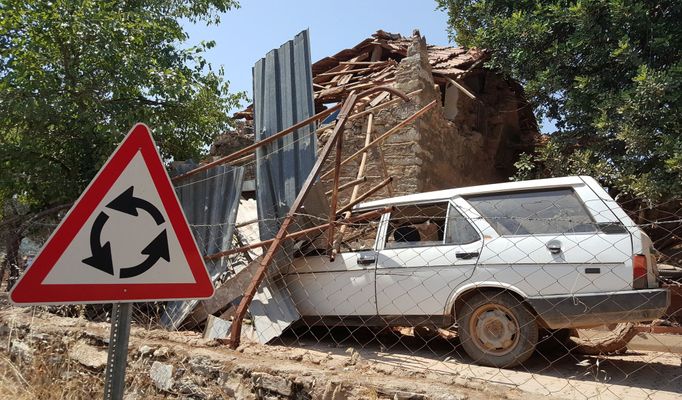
(546, 287)
(535, 289)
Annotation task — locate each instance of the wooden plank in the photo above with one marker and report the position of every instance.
(355, 71)
(381, 97)
(346, 185)
(365, 195)
(293, 235)
(387, 73)
(376, 53)
(330, 92)
(335, 194)
(345, 79)
(360, 86)
(382, 106)
(462, 88)
(320, 78)
(363, 62)
(360, 174)
(363, 160)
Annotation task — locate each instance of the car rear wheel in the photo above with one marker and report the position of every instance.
(496, 329)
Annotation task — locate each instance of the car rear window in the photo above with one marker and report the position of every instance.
(555, 211)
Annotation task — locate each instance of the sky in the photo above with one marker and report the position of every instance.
(247, 34)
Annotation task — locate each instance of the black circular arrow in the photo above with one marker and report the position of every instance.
(156, 250)
(101, 254)
(127, 203)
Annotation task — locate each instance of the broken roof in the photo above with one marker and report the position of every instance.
(444, 60)
(374, 62)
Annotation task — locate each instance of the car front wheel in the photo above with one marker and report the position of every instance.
(496, 329)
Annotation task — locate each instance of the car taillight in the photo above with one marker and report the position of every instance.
(639, 272)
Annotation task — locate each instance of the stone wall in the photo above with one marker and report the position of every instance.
(232, 141)
(49, 357)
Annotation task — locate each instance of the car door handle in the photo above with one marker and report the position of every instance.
(466, 256)
(366, 259)
(554, 246)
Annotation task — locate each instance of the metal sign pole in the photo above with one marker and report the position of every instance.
(117, 358)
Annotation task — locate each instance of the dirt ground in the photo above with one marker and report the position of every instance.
(333, 364)
(552, 371)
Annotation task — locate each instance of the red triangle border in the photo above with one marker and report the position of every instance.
(30, 290)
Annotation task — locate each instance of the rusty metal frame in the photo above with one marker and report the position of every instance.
(342, 118)
(365, 195)
(335, 193)
(293, 235)
(386, 134)
(238, 155)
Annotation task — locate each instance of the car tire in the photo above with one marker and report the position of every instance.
(496, 329)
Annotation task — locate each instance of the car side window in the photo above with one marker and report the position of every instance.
(458, 230)
(417, 225)
(359, 236)
(553, 211)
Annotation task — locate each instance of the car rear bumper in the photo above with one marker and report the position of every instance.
(591, 309)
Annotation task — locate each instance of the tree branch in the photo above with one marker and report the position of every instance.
(33, 217)
(43, 214)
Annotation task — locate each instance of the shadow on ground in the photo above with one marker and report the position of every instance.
(553, 369)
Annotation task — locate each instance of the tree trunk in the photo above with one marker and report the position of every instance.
(12, 265)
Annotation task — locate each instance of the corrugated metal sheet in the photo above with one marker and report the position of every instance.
(210, 200)
(282, 96)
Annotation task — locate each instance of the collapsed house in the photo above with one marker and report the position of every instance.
(479, 125)
(403, 116)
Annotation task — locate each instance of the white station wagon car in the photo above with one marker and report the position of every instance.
(498, 262)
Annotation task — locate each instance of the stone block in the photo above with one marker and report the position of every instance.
(162, 352)
(19, 350)
(205, 367)
(272, 383)
(89, 356)
(162, 375)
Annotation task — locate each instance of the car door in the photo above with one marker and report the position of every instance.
(342, 287)
(416, 275)
(552, 241)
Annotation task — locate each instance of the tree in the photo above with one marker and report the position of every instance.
(609, 72)
(75, 75)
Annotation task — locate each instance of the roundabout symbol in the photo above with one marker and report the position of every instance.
(94, 256)
(156, 250)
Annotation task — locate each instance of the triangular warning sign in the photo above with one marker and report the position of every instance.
(125, 239)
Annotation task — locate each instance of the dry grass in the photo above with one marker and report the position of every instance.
(47, 379)
(49, 374)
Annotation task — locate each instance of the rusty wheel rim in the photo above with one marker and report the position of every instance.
(494, 329)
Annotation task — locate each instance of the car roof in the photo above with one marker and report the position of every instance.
(442, 195)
